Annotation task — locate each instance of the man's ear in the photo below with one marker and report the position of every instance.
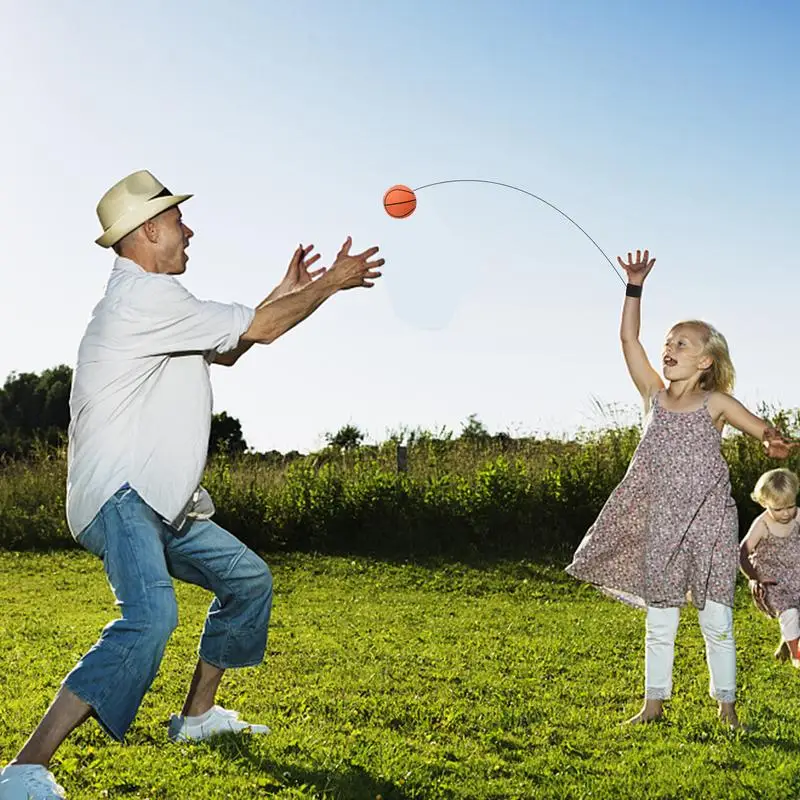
(150, 230)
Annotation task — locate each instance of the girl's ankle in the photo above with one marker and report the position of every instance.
(728, 715)
(651, 710)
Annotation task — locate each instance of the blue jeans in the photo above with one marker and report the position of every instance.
(141, 554)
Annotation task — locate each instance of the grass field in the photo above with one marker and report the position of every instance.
(403, 681)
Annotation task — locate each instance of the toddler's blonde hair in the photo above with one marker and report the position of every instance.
(776, 488)
(721, 375)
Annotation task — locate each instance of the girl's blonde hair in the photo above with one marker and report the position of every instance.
(721, 375)
(776, 488)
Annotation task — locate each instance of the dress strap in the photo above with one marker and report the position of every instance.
(652, 403)
(654, 398)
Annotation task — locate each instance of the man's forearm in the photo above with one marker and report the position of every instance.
(232, 356)
(274, 317)
(277, 292)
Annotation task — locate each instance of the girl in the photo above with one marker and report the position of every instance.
(770, 557)
(668, 533)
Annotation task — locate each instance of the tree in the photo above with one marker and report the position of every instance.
(226, 435)
(473, 430)
(34, 408)
(348, 437)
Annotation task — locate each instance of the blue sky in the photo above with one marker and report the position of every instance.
(668, 125)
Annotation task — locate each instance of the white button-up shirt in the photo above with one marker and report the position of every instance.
(141, 393)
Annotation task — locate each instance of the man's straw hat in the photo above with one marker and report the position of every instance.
(131, 202)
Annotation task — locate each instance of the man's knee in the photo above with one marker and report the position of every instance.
(167, 616)
(256, 584)
(158, 618)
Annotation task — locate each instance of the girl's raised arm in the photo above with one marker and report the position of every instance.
(644, 377)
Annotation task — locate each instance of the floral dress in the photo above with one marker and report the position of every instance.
(777, 558)
(668, 534)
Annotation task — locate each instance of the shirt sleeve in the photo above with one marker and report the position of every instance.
(163, 317)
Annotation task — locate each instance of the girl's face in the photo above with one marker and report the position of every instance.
(683, 353)
(782, 512)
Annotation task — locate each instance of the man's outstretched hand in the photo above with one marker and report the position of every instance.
(351, 271)
(298, 273)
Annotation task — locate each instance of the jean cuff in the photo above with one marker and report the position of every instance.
(114, 732)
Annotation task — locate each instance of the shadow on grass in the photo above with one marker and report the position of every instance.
(754, 736)
(463, 554)
(522, 566)
(344, 781)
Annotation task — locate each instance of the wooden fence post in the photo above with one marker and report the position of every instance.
(402, 458)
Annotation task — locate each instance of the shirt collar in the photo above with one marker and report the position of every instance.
(126, 265)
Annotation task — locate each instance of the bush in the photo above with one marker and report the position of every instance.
(472, 497)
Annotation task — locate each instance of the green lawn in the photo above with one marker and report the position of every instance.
(401, 681)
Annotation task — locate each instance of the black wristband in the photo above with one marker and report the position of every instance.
(632, 290)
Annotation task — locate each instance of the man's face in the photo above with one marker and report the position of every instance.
(173, 239)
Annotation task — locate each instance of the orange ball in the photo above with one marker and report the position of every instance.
(399, 201)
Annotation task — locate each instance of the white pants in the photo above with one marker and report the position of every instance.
(789, 621)
(716, 623)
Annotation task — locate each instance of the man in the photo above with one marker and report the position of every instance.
(138, 438)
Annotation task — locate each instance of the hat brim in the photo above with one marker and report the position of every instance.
(133, 219)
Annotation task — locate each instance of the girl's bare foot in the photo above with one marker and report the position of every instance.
(652, 710)
(727, 715)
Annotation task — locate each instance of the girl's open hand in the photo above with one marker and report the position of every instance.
(776, 444)
(638, 269)
(759, 594)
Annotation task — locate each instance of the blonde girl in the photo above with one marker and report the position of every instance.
(770, 557)
(668, 533)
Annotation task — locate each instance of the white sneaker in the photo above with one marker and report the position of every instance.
(29, 782)
(215, 721)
